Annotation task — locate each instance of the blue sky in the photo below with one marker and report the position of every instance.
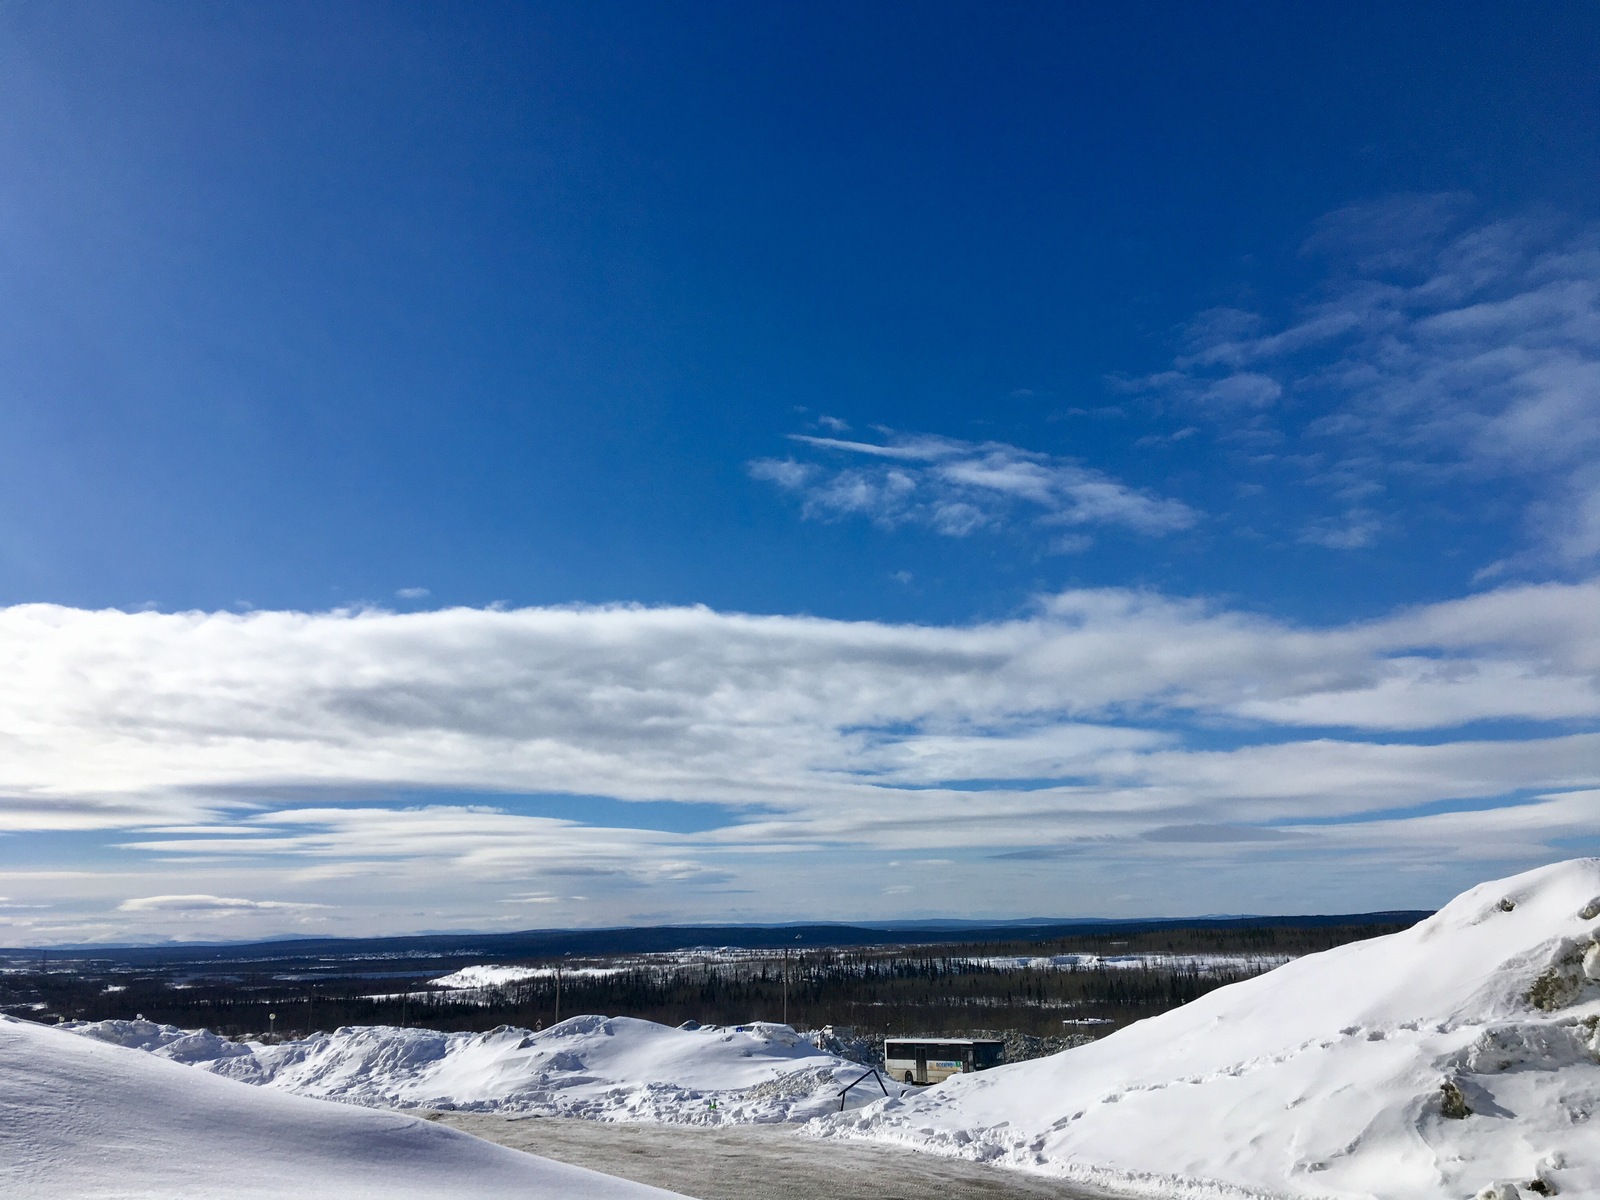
(581, 464)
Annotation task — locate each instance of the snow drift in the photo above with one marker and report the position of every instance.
(610, 1069)
(83, 1119)
(1455, 1059)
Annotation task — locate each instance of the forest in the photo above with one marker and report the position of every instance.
(1030, 988)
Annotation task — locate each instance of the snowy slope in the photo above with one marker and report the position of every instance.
(1325, 1077)
(613, 1069)
(82, 1119)
(481, 977)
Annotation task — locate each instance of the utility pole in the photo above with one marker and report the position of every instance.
(786, 981)
(557, 1021)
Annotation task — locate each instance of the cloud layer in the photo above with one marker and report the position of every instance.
(109, 708)
(1136, 725)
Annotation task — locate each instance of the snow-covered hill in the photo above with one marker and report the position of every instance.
(610, 1069)
(479, 978)
(1458, 1058)
(81, 1119)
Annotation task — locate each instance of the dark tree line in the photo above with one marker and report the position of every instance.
(885, 990)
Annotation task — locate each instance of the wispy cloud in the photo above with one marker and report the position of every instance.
(203, 904)
(1437, 349)
(1353, 530)
(957, 488)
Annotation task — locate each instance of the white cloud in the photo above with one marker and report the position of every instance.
(1246, 389)
(203, 904)
(1354, 530)
(958, 488)
(786, 473)
(1070, 543)
(121, 719)
(1435, 348)
(262, 750)
(480, 839)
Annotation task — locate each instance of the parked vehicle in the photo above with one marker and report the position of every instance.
(918, 1060)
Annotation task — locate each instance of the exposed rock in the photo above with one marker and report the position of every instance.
(1453, 1103)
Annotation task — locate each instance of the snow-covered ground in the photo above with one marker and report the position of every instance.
(606, 1069)
(82, 1119)
(722, 959)
(1459, 1058)
(473, 978)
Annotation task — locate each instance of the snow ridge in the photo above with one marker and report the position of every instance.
(1458, 1058)
(599, 1068)
(79, 1118)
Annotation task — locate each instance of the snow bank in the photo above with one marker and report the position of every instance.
(1459, 1058)
(82, 1119)
(607, 1069)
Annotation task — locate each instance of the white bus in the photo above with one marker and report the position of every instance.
(928, 1060)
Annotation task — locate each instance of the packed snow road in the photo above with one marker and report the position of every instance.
(759, 1162)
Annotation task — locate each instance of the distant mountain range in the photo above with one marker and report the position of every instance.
(544, 943)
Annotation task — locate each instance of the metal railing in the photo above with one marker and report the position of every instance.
(873, 1073)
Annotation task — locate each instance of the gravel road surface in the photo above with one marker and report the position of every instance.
(760, 1162)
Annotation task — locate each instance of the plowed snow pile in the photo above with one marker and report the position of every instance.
(83, 1119)
(608, 1069)
(1457, 1059)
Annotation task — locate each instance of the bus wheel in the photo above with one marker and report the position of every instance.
(910, 1078)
